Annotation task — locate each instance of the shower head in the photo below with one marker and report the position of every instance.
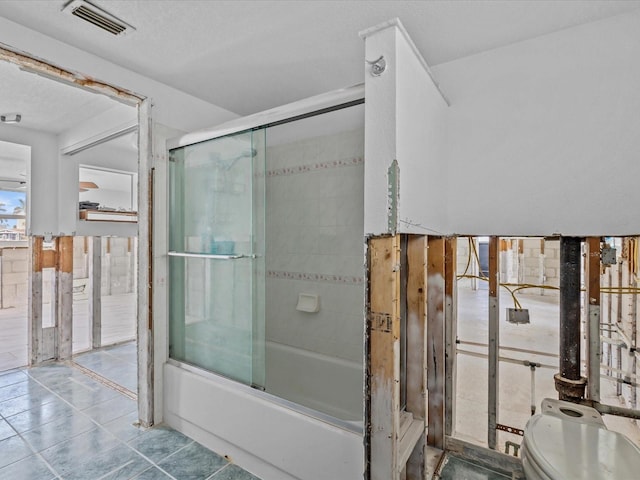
(229, 163)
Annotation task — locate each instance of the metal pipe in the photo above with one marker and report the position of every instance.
(612, 410)
(570, 258)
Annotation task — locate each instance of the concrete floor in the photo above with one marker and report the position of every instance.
(118, 325)
(517, 344)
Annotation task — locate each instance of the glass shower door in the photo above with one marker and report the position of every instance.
(216, 267)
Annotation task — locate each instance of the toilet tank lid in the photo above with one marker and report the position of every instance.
(570, 449)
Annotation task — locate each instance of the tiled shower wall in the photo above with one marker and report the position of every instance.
(315, 243)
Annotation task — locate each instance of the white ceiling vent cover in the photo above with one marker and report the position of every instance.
(98, 17)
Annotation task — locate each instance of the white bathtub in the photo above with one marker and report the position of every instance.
(329, 385)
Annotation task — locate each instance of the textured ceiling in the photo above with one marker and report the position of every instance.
(46, 105)
(247, 56)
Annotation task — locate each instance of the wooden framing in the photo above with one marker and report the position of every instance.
(450, 332)
(396, 437)
(35, 340)
(383, 324)
(145, 265)
(416, 354)
(95, 297)
(494, 341)
(436, 341)
(64, 294)
(592, 300)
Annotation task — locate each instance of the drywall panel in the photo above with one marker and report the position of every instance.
(404, 122)
(543, 134)
(421, 144)
(272, 441)
(379, 130)
(42, 188)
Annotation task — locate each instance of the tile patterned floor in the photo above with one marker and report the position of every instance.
(57, 423)
(117, 363)
(456, 468)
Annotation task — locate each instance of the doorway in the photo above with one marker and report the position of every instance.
(59, 121)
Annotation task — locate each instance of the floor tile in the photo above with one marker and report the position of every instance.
(11, 377)
(30, 468)
(24, 387)
(83, 396)
(30, 419)
(119, 463)
(58, 431)
(13, 449)
(5, 430)
(124, 427)
(159, 442)
(66, 456)
(193, 462)
(118, 406)
(26, 402)
(233, 472)
(457, 469)
(153, 474)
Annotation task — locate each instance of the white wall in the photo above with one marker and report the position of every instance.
(42, 195)
(543, 134)
(405, 121)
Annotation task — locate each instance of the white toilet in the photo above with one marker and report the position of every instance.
(571, 442)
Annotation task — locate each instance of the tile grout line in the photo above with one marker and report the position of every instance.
(104, 381)
(73, 407)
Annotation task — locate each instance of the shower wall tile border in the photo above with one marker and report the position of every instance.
(279, 172)
(315, 277)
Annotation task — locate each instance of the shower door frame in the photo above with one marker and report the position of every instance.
(310, 107)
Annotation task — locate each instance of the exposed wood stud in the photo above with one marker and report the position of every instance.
(494, 342)
(416, 348)
(64, 310)
(95, 287)
(145, 259)
(35, 302)
(383, 324)
(451, 331)
(436, 341)
(592, 310)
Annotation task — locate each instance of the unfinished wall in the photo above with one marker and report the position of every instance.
(14, 268)
(540, 127)
(619, 316)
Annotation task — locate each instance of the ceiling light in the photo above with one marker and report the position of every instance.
(10, 118)
(88, 185)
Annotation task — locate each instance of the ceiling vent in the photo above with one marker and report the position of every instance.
(98, 17)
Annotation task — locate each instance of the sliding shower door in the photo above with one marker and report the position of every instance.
(216, 257)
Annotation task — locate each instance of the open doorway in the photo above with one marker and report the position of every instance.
(72, 133)
(14, 160)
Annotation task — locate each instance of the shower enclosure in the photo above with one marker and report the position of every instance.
(260, 222)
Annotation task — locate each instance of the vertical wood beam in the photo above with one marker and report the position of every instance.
(494, 341)
(64, 296)
(384, 357)
(592, 311)
(416, 346)
(436, 342)
(35, 302)
(95, 287)
(145, 265)
(451, 331)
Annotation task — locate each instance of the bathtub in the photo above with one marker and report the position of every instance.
(329, 385)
